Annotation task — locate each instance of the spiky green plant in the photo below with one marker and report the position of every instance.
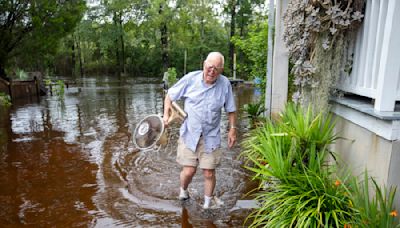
(291, 153)
(377, 211)
(254, 111)
(305, 199)
(299, 188)
(307, 128)
(283, 142)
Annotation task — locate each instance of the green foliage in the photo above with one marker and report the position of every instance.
(305, 199)
(254, 47)
(47, 82)
(291, 153)
(254, 112)
(308, 129)
(300, 137)
(378, 211)
(56, 86)
(172, 76)
(299, 188)
(21, 74)
(143, 38)
(5, 99)
(34, 29)
(60, 88)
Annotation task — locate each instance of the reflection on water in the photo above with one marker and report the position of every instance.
(72, 162)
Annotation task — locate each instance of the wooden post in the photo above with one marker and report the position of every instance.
(234, 66)
(10, 89)
(37, 86)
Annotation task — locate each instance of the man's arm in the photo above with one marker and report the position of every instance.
(167, 108)
(232, 129)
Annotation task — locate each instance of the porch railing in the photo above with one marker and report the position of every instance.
(376, 64)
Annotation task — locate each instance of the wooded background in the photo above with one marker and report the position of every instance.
(131, 37)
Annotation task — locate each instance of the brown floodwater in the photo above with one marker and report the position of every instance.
(71, 162)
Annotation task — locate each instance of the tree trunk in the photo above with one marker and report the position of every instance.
(73, 60)
(78, 47)
(164, 42)
(117, 57)
(121, 37)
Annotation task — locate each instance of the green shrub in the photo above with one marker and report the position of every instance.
(291, 153)
(21, 74)
(305, 199)
(378, 211)
(60, 88)
(254, 112)
(5, 99)
(288, 143)
(172, 76)
(298, 187)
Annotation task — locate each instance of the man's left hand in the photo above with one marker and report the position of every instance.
(231, 137)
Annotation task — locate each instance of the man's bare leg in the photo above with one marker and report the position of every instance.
(186, 176)
(209, 181)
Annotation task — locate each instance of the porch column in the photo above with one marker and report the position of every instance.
(389, 67)
(280, 70)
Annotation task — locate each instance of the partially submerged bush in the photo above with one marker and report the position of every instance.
(254, 113)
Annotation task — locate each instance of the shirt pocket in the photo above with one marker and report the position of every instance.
(216, 106)
(214, 118)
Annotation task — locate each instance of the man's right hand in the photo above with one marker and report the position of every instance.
(165, 120)
(167, 110)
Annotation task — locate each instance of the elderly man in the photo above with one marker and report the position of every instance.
(204, 94)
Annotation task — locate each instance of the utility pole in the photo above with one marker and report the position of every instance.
(184, 61)
(234, 66)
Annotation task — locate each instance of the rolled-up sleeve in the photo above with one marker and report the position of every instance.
(178, 90)
(230, 105)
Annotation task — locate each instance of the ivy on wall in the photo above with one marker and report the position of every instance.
(317, 34)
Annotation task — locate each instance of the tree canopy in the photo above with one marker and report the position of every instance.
(125, 37)
(31, 29)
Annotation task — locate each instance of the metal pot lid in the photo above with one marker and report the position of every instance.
(148, 132)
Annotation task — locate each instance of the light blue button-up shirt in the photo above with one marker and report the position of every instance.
(203, 104)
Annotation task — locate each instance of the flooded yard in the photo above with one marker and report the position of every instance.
(71, 162)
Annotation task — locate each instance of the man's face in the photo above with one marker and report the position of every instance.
(212, 69)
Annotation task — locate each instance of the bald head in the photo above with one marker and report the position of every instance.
(213, 67)
(216, 56)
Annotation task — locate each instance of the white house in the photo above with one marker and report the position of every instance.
(367, 115)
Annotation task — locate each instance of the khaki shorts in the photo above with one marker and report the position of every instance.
(186, 157)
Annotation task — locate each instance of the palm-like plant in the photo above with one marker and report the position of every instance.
(254, 111)
(292, 153)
